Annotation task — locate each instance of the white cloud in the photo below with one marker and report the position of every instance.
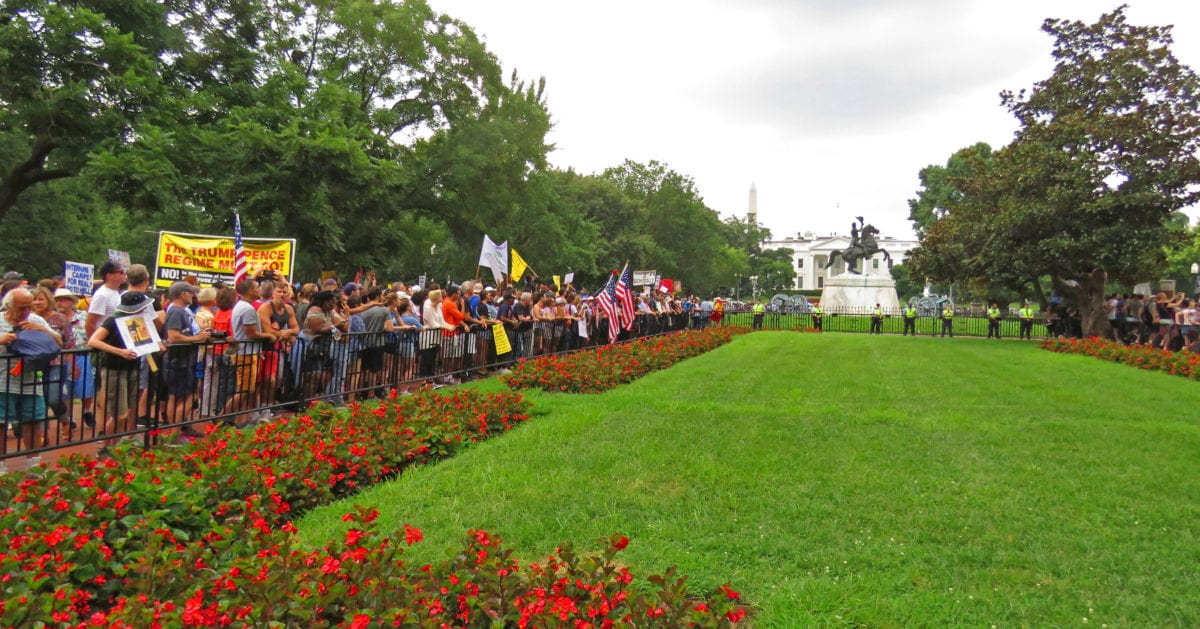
(830, 106)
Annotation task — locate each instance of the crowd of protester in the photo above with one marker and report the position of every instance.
(1161, 321)
(239, 354)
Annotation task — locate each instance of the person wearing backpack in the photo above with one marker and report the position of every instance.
(21, 400)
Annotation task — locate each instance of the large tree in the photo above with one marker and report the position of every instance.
(941, 186)
(1106, 153)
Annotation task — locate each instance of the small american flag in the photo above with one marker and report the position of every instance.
(239, 253)
(607, 303)
(624, 292)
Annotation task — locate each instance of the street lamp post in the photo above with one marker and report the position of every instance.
(753, 287)
(1195, 279)
(737, 285)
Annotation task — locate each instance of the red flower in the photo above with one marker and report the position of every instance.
(412, 535)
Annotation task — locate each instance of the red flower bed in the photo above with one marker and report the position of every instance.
(202, 536)
(1185, 363)
(600, 369)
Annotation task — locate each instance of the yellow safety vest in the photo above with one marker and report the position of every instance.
(759, 308)
(993, 313)
(1026, 313)
(816, 310)
(877, 312)
(910, 313)
(948, 313)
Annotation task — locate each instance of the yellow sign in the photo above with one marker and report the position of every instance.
(518, 265)
(501, 339)
(210, 258)
(557, 283)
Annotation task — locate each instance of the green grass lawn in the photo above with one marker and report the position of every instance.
(848, 480)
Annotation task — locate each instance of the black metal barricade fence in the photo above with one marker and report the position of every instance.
(90, 398)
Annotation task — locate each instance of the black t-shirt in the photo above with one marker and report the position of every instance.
(505, 311)
(112, 361)
(521, 310)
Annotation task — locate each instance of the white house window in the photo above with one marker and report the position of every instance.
(800, 283)
(875, 263)
(889, 263)
(800, 263)
(820, 281)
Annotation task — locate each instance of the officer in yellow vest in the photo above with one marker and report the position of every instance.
(877, 320)
(948, 321)
(758, 309)
(993, 315)
(816, 316)
(910, 320)
(1026, 315)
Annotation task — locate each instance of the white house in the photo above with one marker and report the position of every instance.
(810, 253)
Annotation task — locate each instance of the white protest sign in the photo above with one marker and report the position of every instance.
(78, 277)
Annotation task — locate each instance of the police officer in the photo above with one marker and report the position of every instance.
(758, 310)
(948, 321)
(993, 315)
(877, 320)
(910, 320)
(816, 316)
(1026, 315)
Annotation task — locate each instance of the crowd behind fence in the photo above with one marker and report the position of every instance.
(176, 395)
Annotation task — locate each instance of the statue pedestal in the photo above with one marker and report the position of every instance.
(855, 294)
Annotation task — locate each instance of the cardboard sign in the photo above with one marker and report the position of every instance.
(139, 332)
(500, 338)
(78, 277)
(210, 258)
(119, 256)
(644, 278)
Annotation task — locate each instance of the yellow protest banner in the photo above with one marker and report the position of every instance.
(210, 258)
(557, 283)
(501, 339)
(518, 265)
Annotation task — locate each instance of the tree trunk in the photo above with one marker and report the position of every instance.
(31, 171)
(1087, 295)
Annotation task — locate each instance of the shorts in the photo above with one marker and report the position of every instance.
(406, 349)
(20, 408)
(269, 365)
(120, 387)
(372, 358)
(83, 382)
(247, 371)
(180, 379)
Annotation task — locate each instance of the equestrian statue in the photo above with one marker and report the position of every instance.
(863, 246)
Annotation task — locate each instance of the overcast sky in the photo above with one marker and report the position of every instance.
(831, 107)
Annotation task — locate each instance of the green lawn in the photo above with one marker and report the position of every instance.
(848, 480)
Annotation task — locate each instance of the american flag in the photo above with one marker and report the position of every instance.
(607, 303)
(624, 292)
(239, 253)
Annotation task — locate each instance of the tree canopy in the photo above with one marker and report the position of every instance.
(373, 131)
(1106, 153)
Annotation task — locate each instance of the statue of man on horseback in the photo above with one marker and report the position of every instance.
(863, 245)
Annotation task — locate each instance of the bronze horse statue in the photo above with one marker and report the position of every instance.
(862, 247)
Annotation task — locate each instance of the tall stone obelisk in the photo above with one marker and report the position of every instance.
(752, 214)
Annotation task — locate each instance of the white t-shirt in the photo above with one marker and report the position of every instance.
(243, 315)
(105, 301)
(433, 323)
